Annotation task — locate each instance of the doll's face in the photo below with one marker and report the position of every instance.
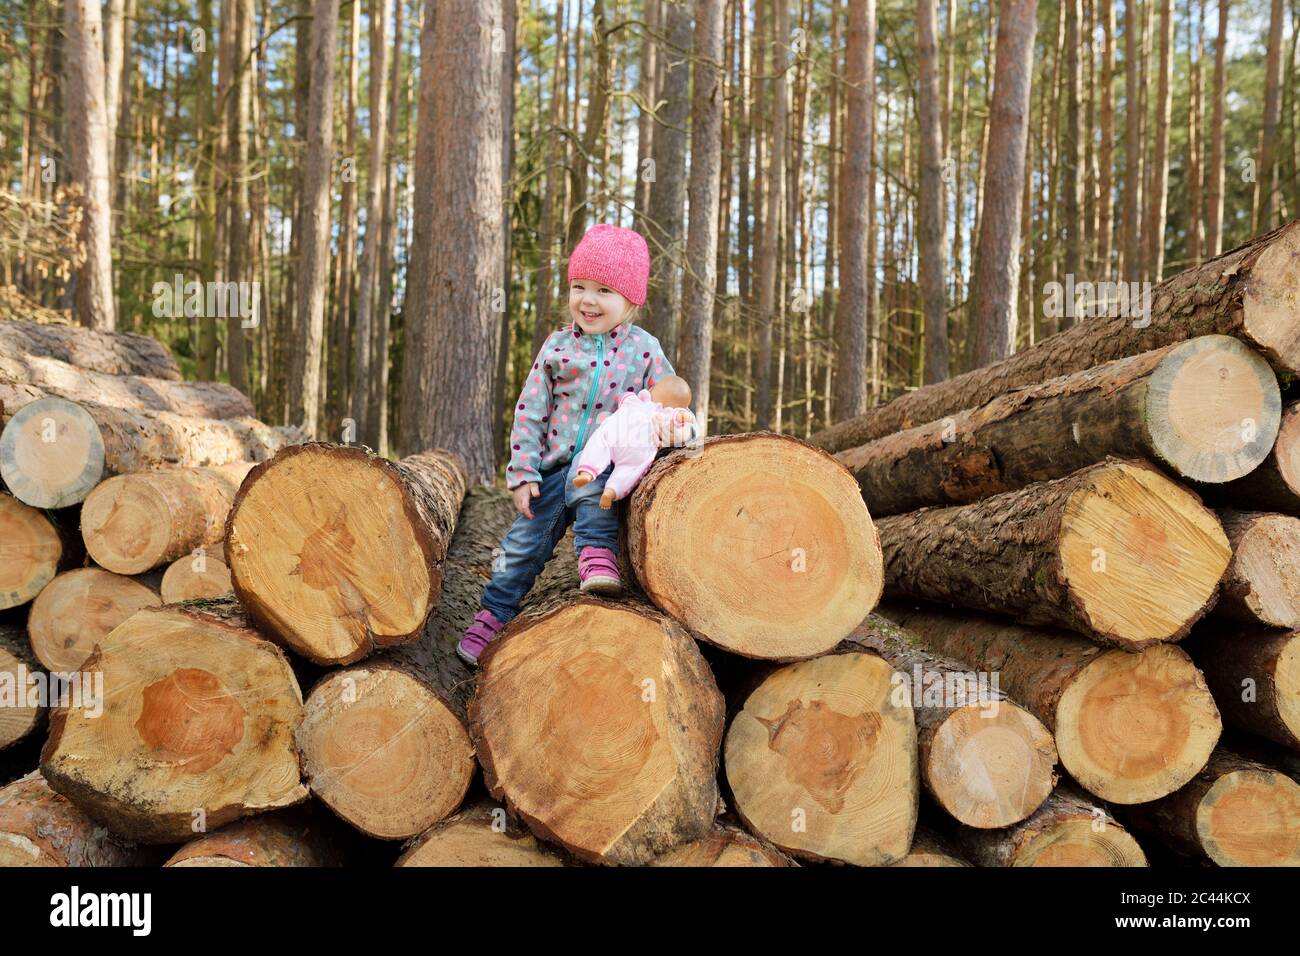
(596, 308)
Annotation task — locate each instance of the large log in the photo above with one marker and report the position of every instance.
(822, 760)
(1275, 484)
(113, 353)
(40, 827)
(194, 727)
(757, 543)
(984, 759)
(1207, 410)
(481, 835)
(34, 547)
(1262, 584)
(1236, 812)
(1254, 674)
(134, 523)
(1116, 551)
(598, 723)
(289, 837)
(1251, 292)
(21, 710)
(1067, 830)
(725, 846)
(338, 552)
(78, 609)
(53, 452)
(141, 393)
(1128, 727)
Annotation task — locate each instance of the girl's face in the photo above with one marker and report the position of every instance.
(594, 307)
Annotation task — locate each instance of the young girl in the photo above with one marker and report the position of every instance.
(573, 386)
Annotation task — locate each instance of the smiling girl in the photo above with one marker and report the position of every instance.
(574, 385)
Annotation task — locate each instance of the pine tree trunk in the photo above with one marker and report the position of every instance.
(930, 232)
(1158, 200)
(1214, 215)
(997, 259)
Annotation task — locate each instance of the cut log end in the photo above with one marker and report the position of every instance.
(194, 722)
(991, 765)
(17, 719)
(1141, 556)
(822, 761)
(78, 609)
(31, 550)
(327, 551)
(1271, 302)
(759, 544)
(51, 453)
(1077, 842)
(1213, 409)
(1251, 818)
(1263, 582)
(479, 836)
(726, 846)
(1135, 727)
(190, 577)
(384, 752)
(125, 523)
(599, 724)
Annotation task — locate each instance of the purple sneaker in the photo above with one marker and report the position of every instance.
(477, 637)
(598, 569)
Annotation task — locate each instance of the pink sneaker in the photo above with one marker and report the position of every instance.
(477, 637)
(598, 568)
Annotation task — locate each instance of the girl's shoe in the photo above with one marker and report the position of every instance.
(598, 569)
(477, 637)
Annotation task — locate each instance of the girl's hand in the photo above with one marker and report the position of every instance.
(523, 498)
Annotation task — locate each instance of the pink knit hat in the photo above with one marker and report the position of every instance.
(614, 257)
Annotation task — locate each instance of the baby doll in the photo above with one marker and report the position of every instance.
(629, 438)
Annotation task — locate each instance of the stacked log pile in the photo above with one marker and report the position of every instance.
(1089, 641)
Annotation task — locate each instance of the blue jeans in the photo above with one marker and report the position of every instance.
(531, 542)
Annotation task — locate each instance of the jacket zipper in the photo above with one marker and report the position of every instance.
(591, 394)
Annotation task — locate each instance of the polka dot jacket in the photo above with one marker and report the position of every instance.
(572, 388)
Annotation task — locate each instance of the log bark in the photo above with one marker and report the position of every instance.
(1168, 723)
(790, 562)
(337, 552)
(727, 846)
(78, 609)
(480, 835)
(1249, 293)
(135, 523)
(1262, 584)
(40, 827)
(113, 353)
(1207, 410)
(822, 761)
(292, 837)
(598, 722)
(196, 731)
(1116, 552)
(1254, 674)
(1236, 812)
(1275, 484)
(34, 547)
(21, 714)
(136, 392)
(1068, 830)
(984, 759)
(54, 452)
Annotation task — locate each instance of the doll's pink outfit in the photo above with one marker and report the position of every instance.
(627, 438)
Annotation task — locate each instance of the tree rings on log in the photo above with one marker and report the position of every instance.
(599, 723)
(338, 552)
(757, 543)
(51, 453)
(32, 550)
(78, 609)
(822, 761)
(191, 726)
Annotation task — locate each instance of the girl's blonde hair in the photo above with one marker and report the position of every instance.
(632, 314)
